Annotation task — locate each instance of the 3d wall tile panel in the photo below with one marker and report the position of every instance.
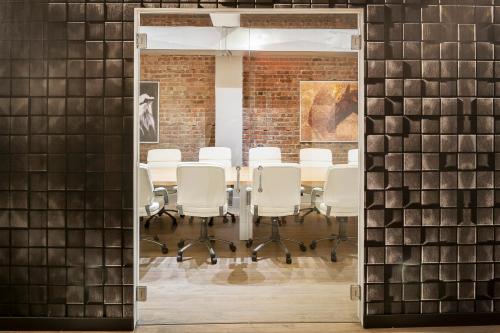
(66, 78)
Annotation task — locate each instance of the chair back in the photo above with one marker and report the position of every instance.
(315, 157)
(276, 190)
(263, 155)
(217, 155)
(146, 194)
(341, 190)
(164, 157)
(201, 189)
(352, 156)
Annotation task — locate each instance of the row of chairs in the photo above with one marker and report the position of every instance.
(275, 193)
(158, 158)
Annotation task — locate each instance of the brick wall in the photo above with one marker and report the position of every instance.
(271, 106)
(187, 102)
(317, 21)
(202, 20)
(291, 21)
(271, 95)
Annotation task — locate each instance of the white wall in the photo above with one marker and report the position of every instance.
(229, 104)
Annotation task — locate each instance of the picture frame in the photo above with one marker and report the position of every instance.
(149, 112)
(328, 111)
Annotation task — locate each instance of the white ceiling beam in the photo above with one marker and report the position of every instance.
(245, 39)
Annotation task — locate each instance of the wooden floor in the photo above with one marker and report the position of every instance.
(306, 328)
(237, 290)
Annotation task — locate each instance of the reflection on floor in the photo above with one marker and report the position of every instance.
(237, 290)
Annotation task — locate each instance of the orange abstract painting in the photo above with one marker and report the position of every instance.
(328, 111)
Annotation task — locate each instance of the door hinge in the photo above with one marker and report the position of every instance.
(355, 292)
(142, 293)
(356, 42)
(142, 41)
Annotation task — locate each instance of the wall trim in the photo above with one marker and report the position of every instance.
(425, 320)
(66, 324)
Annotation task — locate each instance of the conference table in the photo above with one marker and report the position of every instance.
(240, 178)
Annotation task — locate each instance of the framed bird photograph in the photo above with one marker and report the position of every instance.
(149, 105)
(328, 111)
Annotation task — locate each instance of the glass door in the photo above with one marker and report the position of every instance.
(251, 84)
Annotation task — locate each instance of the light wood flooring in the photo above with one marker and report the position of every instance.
(291, 328)
(237, 290)
(307, 328)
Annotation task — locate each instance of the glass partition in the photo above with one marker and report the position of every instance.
(245, 81)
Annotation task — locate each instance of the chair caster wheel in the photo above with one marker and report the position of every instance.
(233, 219)
(288, 259)
(180, 244)
(303, 248)
(254, 257)
(232, 247)
(249, 243)
(334, 257)
(156, 238)
(179, 258)
(182, 216)
(164, 249)
(224, 220)
(213, 260)
(313, 245)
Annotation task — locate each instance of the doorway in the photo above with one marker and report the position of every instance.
(241, 79)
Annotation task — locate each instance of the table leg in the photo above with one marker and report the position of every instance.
(245, 223)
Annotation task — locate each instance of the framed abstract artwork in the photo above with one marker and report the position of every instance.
(149, 105)
(328, 111)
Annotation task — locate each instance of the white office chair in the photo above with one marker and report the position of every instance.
(152, 203)
(275, 193)
(314, 157)
(217, 155)
(340, 199)
(201, 192)
(352, 157)
(220, 156)
(164, 158)
(263, 155)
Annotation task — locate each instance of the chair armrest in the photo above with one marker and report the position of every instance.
(161, 191)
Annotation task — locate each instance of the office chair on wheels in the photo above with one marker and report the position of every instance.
(352, 156)
(201, 192)
(258, 156)
(314, 158)
(152, 203)
(340, 199)
(164, 158)
(275, 193)
(220, 156)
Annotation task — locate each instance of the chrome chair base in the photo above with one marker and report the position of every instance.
(203, 239)
(276, 238)
(338, 238)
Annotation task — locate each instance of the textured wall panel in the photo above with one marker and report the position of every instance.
(431, 155)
